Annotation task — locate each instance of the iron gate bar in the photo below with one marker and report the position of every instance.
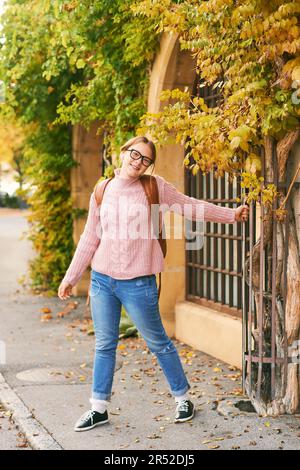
(223, 248)
(268, 360)
(208, 246)
(218, 306)
(220, 235)
(193, 252)
(201, 276)
(212, 269)
(215, 248)
(220, 200)
(239, 251)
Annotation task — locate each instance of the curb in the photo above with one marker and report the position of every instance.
(37, 436)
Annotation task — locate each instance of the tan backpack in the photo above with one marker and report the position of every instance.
(150, 187)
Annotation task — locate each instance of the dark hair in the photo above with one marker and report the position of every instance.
(138, 139)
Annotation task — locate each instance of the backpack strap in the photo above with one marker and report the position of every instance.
(99, 191)
(149, 184)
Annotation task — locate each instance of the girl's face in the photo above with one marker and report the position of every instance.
(136, 160)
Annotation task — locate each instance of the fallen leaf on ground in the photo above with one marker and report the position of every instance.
(69, 374)
(23, 444)
(46, 317)
(68, 308)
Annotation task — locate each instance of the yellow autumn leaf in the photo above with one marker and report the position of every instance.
(190, 354)
(235, 142)
(253, 163)
(80, 64)
(296, 73)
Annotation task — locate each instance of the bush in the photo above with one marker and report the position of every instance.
(12, 201)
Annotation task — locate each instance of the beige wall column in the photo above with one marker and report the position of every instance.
(87, 151)
(172, 69)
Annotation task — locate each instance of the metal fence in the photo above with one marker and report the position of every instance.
(220, 275)
(214, 275)
(262, 350)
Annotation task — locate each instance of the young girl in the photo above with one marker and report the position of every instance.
(123, 273)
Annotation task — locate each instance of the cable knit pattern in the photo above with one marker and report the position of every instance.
(106, 246)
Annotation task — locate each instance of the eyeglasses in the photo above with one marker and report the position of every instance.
(136, 155)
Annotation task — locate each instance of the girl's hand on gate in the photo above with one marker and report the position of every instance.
(242, 213)
(64, 290)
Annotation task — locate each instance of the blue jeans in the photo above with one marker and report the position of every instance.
(139, 297)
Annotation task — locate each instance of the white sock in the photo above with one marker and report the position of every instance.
(181, 397)
(99, 405)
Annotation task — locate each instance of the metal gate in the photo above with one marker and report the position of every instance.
(220, 275)
(214, 275)
(273, 359)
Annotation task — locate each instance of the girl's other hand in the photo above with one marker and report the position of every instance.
(242, 213)
(64, 290)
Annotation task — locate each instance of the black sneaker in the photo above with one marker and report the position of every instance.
(184, 411)
(90, 419)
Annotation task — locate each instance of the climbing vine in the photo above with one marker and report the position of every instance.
(249, 52)
(67, 62)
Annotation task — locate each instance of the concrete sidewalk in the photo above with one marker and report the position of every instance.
(46, 383)
(49, 366)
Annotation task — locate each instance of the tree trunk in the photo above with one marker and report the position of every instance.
(287, 395)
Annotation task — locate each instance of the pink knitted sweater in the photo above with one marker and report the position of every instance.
(104, 242)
